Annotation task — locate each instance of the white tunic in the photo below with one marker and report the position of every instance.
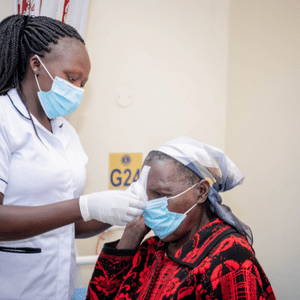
(34, 173)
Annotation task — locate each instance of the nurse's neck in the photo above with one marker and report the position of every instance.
(30, 97)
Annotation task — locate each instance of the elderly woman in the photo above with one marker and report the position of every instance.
(200, 251)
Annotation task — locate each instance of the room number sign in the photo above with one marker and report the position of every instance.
(124, 168)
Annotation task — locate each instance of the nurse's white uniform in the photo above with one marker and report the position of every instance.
(34, 173)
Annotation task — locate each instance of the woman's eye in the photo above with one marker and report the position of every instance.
(71, 78)
(158, 195)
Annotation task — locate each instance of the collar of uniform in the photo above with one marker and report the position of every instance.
(57, 124)
(17, 103)
(193, 252)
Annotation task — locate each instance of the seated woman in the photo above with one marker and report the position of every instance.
(200, 251)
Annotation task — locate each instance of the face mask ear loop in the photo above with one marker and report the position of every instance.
(190, 209)
(37, 82)
(44, 67)
(183, 191)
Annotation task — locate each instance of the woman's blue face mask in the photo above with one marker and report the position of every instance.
(162, 221)
(63, 98)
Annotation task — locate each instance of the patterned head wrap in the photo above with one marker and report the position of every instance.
(212, 164)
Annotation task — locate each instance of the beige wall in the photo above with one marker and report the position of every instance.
(172, 57)
(263, 131)
(7, 8)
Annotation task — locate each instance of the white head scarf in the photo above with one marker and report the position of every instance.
(212, 164)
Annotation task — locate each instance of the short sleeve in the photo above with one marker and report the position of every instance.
(5, 155)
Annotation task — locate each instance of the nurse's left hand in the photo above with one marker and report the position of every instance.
(111, 207)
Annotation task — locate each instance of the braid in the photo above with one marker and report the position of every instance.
(21, 36)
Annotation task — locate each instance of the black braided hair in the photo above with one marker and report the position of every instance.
(22, 35)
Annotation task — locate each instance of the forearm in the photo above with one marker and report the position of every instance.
(130, 241)
(89, 229)
(20, 222)
(133, 234)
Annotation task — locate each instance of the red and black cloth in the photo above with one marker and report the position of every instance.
(217, 263)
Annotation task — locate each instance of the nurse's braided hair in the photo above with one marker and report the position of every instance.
(22, 35)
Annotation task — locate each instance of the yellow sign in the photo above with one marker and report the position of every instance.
(124, 168)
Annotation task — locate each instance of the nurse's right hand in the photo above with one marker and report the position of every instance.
(112, 207)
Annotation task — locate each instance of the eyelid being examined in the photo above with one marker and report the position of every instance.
(162, 194)
(72, 75)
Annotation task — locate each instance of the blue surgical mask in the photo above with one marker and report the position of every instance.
(62, 99)
(162, 221)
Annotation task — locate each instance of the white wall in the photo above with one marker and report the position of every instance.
(263, 132)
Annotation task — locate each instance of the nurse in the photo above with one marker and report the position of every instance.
(44, 66)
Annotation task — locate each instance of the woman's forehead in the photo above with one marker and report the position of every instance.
(67, 48)
(69, 54)
(162, 168)
(163, 174)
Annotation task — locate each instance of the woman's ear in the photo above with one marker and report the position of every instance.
(34, 65)
(202, 191)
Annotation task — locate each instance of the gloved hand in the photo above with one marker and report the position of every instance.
(112, 207)
(139, 187)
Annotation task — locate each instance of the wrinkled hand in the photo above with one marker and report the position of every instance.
(112, 207)
(133, 234)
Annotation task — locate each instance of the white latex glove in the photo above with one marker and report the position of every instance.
(139, 187)
(112, 207)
